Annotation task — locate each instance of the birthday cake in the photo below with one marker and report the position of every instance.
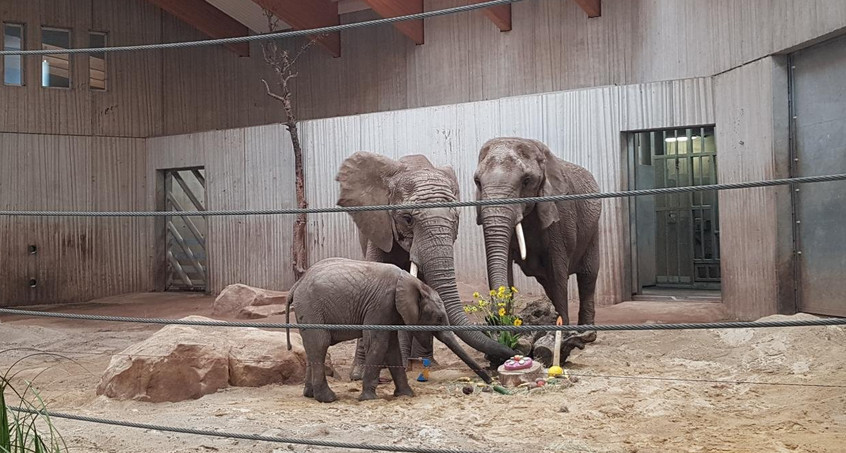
(518, 362)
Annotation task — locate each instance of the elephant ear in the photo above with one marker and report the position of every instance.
(483, 153)
(408, 298)
(364, 178)
(548, 211)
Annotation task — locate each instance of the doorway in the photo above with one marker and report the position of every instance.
(818, 112)
(185, 236)
(675, 237)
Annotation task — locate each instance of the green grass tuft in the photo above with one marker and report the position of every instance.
(22, 432)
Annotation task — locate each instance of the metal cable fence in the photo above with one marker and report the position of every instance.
(264, 36)
(438, 328)
(452, 204)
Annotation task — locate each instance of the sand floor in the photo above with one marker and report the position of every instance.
(637, 392)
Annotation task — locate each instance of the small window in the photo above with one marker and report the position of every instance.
(55, 68)
(13, 39)
(97, 61)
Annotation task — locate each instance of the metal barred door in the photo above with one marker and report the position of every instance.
(818, 84)
(678, 235)
(185, 191)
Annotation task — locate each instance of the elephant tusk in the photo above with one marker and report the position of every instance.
(521, 241)
(413, 270)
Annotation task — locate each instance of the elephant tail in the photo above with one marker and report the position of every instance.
(288, 303)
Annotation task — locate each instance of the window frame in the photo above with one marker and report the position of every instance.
(70, 57)
(22, 27)
(105, 36)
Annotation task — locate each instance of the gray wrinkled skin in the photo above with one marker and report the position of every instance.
(425, 236)
(562, 238)
(343, 291)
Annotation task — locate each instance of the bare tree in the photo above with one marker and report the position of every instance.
(283, 62)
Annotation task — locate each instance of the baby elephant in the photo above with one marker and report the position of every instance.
(344, 291)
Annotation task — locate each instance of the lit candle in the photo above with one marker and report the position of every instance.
(555, 369)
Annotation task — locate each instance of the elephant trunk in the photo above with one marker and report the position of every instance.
(498, 227)
(448, 339)
(437, 265)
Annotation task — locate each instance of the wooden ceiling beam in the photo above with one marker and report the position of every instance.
(211, 21)
(305, 14)
(500, 15)
(593, 8)
(393, 8)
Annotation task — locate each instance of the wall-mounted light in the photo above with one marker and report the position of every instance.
(680, 139)
(32, 249)
(33, 283)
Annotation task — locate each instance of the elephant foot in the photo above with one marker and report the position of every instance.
(368, 395)
(357, 372)
(588, 337)
(308, 392)
(404, 391)
(326, 396)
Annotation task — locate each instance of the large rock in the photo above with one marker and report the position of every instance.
(538, 312)
(235, 298)
(178, 363)
(258, 357)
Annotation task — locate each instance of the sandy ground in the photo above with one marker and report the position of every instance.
(631, 396)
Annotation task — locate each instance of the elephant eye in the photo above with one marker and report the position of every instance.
(476, 180)
(407, 219)
(526, 181)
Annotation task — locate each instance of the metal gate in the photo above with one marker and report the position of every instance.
(185, 190)
(818, 93)
(677, 235)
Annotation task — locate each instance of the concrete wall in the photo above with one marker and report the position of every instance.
(251, 168)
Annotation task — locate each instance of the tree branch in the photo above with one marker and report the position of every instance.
(270, 93)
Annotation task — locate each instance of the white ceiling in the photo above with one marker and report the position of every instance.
(252, 16)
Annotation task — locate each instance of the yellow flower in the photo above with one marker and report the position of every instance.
(513, 289)
(476, 295)
(502, 311)
(467, 309)
(483, 303)
(501, 304)
(493, 293)
(518, 322)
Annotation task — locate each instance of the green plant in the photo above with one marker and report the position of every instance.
(26, 432)
(498, 310)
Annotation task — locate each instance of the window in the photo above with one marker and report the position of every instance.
(13, 39)
(55, 69)
(678, 234)
(97, 62)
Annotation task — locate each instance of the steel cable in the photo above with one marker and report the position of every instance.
(451, 204)
(264, 36)
(229, 435)
(430, 328)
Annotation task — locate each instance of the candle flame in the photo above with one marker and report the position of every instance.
(559, 322)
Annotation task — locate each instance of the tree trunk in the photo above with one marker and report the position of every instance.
(299, 251)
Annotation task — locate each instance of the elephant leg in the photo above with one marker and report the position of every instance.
(424, 349)
(358, 361)
(397, 367)
(376, 344)
(308, 390)
(587, 290)
(316, 343)
(405, 341)
(555, 286)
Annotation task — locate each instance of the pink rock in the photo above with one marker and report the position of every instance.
(262, 311)
(175, 364)
(235, 297)
(179, 363)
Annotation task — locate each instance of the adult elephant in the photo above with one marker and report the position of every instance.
(549, 240)
(420, 240)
